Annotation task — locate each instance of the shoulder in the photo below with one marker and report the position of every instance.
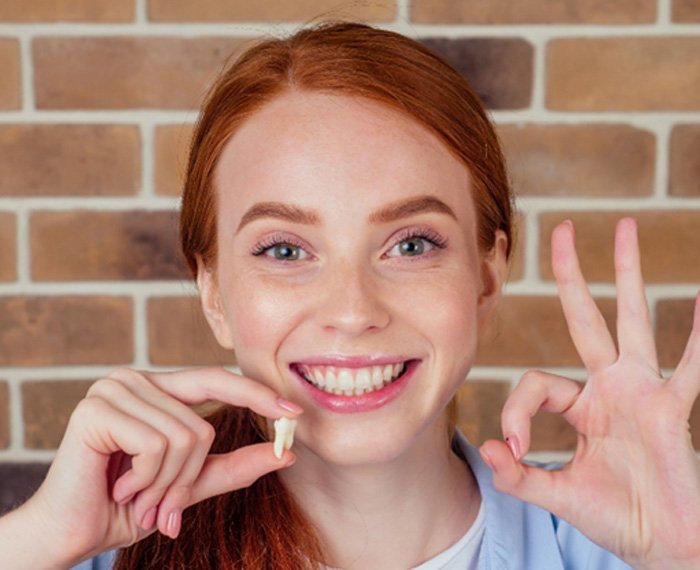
(522, 535)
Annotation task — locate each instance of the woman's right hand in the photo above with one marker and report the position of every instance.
(134, 456)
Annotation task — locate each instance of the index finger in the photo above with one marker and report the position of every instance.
(200, 385)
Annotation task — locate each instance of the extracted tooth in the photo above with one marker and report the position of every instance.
(284, 435)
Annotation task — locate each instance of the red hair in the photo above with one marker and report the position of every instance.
(262, 526)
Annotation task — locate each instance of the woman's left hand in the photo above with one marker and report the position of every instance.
(633, 485)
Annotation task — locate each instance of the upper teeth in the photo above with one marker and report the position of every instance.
(351, 381)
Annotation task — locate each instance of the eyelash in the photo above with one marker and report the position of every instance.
(427, 234)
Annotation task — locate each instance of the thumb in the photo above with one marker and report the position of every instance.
(534, 485)
(228, 472)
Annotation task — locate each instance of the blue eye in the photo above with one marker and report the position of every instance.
(280, 249)
(411, 247)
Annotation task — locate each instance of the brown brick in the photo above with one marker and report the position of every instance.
(674, 321)
(580, 160)
(10, 78)
(172, 144)
(499, 69)
(253, 10)
(127, 72)
(685, 11)
(4, 415)
(70, 160)
(535, 12)
(625, 74)
(479, 405)
(551, 432)
(8, 247)
(684, 161)
(669, 242)
(531, 331)
(48, 331)
(99, 245)
(178, 334)
(67, 11)
(19, 481)
(46, 407)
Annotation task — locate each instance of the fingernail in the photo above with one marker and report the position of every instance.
(514, 444)
(487, 459)
(289, 406)
(173, 524)
(125, 500)
(149, 518)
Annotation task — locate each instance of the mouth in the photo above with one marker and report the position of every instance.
(345, 381)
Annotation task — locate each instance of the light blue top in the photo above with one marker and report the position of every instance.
(518, 536)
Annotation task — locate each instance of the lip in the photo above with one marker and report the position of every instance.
(352, 361)
(356, 404)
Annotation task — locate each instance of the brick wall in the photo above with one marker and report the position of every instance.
(598, 105)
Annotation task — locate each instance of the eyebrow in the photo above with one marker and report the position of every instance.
(389, 213)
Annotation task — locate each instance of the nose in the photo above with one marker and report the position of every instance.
(351, 300)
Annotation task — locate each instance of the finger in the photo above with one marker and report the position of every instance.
(238, 469)
(586, 325)
(634, 332)
(686, 378)
(535, 485)
(536, 391)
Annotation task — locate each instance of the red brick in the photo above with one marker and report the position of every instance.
(10, 78)
(533, 12)
(101, 245)
(580, 160)
(67, 11)
(179, 335)
(127, 72)
(499, 69)
(551, 432)
(685, 11)
(70, 160)
(46, 407)
(479, 405)
(4, 416)
(669, 242)
(530, 331)
(684, 161)
(256, 11)
(674, 321)
(52, 331)
(624, 74)
(8, 247)
(172, 143)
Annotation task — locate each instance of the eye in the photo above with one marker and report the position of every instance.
(280, 250)
(414, 244)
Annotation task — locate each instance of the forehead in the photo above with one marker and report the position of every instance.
(341, 153)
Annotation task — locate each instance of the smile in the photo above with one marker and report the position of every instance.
(342, 381)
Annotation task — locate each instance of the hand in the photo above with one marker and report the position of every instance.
(633, 485)
(134, 456)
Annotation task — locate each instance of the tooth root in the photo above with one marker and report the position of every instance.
(284, 435)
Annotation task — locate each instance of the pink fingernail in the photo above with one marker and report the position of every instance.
(514, 445)
(289, 406)
(173, 524)
(149, 518)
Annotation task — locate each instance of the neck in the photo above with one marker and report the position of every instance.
(396, 514)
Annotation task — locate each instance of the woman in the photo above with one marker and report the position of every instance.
(347, 218)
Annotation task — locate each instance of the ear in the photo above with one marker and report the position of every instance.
(212, 306)
(493, 274)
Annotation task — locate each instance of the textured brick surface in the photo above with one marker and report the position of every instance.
(66, 10)
(10, 78)
(629, 73)
(178, 334)
(533, 12)
(172, 144)
(551, 432)
(674, 321)
(46, 331)
(684, 161)
(240, 10)
(69, 160)
(685, 11)
(499, 69)
(127, 72)
(19, 481)
(531, 331)
(99, 245)
(479, 405)
(669, 243)
(4, 415)
(580, 160)
(46, 407)
(8, 247)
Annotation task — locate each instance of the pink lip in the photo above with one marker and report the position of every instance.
(350, 361)
(357, 404)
